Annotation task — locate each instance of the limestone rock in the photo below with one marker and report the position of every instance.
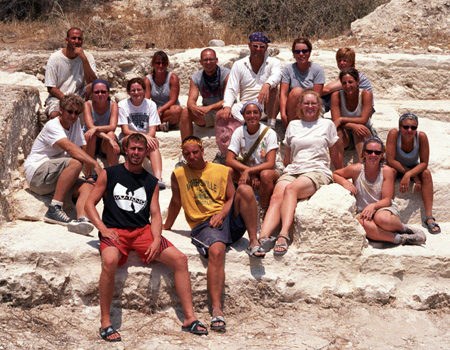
(216, 43)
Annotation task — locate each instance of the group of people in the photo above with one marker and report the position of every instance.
(218, 201)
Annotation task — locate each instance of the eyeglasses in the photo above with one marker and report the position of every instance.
(208, 59)
(310, 103)
(102, 92)
(259, 46)
(371, 151)
(406, 127)
(302, 51)
(69, 111)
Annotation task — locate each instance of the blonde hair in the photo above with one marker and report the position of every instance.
(308, 91)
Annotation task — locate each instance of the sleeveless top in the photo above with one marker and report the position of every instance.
(99, 120)
(367, 192)
(128, 197)
(410, 159)
(160, 94)
(202, 192)
(352, 114)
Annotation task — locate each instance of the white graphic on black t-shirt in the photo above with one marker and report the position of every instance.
(130, 200)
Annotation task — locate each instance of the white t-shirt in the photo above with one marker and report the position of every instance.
(309, 143)
(67, 74)
(44, 147)
(138, 118)
(241, 143)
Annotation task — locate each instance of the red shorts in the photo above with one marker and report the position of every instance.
(138, 239)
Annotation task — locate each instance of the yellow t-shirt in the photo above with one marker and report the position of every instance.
(202, 192)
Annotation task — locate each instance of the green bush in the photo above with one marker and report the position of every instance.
(287, 19)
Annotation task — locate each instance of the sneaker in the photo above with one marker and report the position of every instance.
(413, 236)
(219, 158)
(55, 215)
(81, 226)
(162, 185)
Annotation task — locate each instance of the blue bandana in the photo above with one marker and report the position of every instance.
(251, 103)
(258, 36)
(100, 81)
(406, 115)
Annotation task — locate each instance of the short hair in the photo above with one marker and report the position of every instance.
(302, 41)
(73, 28)
(136, 137)
(308, 91)
(72, 100)
(353, 72)
(137, 80)
(347, 54)
(368, 142)
(206, 50)
(162, 55)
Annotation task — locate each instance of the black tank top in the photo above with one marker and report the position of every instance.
(128, 196)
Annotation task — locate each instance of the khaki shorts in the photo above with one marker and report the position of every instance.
(319, 179)
(210, 119)
(51, 105)
(393, 209)
(47, 174)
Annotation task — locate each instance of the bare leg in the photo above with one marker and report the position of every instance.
(292, 103)
(111, 154)
(341, 144)
(172, 115)
(178, 262)
(382, 226)
(82, 193)
(67, 179)
(216, 277)
(273, 106)
(268, 178)
(302, 187)
(427, 192)
(359, 142)
(110, 260)
(90, 150)
(156, 162)
(245, 204)
(273, 214)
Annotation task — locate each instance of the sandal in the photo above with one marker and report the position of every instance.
(107, 332)
(194, 328)
(430, 226)
(256, 249)
(267, 243)
(218, 319)
(283, 246)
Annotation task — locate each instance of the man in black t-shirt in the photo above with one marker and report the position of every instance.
(130, 195)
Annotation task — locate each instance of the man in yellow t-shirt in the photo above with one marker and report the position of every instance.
(217, 214)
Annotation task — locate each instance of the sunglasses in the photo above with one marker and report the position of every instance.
(371, 151)
(257, 46)
(406, 127)
(103, 92)
(69, 111)
(302, 51)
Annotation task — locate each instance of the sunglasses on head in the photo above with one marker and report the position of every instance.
(406, 127)
(69, 111)
(302, 51)
(371, 151)
(103, 92)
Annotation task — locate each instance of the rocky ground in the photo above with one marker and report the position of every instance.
(406, 305)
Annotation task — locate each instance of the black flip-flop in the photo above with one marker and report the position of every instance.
(194, 328)
(108, 331)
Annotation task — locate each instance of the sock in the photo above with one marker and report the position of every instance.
(55, 202)
(403, 228)
(397, 239)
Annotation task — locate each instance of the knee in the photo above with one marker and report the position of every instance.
(245, 192)
(216, 253)
(266, 178)
(177, 109)
(426, 175)
(109, 265)
(180, 261)
(295, 93)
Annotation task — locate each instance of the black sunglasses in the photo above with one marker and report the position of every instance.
(69, 111)
(302, 51)
(103, 92)
(406, 127)
(371, 151)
